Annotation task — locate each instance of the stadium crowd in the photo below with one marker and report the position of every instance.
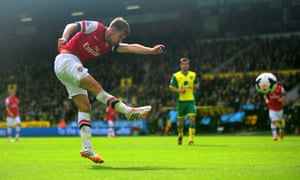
(42, 97)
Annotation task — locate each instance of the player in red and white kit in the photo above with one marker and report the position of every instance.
(275, 101)
(93, 39)
(12, 115)
(110, 118)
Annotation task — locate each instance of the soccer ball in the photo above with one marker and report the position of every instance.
(266, 83)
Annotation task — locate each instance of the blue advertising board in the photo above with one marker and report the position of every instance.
(99, 128)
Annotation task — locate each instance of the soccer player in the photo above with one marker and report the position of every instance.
(12, 115)
(93, 39)
(110, 118)
(184, 82)
(275, 101)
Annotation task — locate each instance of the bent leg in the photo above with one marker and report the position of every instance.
(95, 88)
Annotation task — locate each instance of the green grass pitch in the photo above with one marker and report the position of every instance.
(152, 157)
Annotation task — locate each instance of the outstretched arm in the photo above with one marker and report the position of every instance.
(140, 49)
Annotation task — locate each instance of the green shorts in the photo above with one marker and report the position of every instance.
(186, 108)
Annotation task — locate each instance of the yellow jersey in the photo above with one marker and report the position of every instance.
(180, 80)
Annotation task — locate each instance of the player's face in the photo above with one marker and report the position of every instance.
(12, 93)
(184, 66)
(116, 37)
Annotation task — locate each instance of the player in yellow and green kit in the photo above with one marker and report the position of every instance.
(184, 82)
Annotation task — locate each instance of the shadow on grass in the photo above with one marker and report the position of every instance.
(213, 145)
(146, 168)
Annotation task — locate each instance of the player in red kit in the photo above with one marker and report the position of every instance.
(93, 39)
(275, 101)
(110, 118)
(12, 115)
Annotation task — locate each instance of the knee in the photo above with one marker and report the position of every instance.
(180, 121)
(192, 119)
(95, 90)
(91, 85)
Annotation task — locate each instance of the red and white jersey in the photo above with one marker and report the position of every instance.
(110, 114)
(89, 42)
(12, 104)
(274, 98)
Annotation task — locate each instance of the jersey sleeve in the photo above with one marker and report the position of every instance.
(87, 26)
(6, 102)
(283, 90)
(173, 82)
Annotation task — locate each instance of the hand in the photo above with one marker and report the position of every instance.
(281, 100)
(196, 86)
(182, 90)
(267, 101)
(61, 41)
(11, 114)
(158, 49)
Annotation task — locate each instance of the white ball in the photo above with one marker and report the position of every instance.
(266, 83)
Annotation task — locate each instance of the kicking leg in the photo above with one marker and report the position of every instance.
(131, 113)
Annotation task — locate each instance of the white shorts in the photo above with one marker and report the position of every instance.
(275, 115)
(110, 123)
(70, 71)
(13, 120)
